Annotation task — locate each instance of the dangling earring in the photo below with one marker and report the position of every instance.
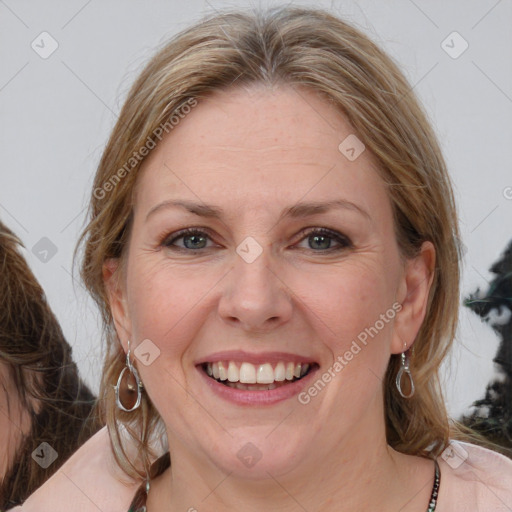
(404, 368)
(133, 385)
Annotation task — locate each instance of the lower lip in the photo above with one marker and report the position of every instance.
(264, 397)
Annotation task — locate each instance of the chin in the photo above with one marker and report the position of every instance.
(257, 457)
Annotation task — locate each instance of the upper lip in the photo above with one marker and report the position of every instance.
(255, 358)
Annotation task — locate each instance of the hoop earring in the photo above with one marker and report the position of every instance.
(404, 368)
(133, 385)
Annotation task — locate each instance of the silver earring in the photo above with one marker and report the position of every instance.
(404, 368)
(132, 386)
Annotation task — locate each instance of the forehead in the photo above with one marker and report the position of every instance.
(248, 148)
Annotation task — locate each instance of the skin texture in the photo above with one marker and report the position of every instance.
(254, 152)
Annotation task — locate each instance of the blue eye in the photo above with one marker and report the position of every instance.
(319, 240)
(192, 239)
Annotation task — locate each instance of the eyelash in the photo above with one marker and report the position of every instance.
(343, 240)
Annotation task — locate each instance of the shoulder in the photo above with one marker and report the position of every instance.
(474, 479)
(90, 480)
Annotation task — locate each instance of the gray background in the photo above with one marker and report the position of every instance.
(57, 114)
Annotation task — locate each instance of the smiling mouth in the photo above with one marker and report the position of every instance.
(260, 377)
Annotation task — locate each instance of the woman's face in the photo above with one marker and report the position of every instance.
(292, 259)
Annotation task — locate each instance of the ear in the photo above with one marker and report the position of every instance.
(117, 298)
(413, 295)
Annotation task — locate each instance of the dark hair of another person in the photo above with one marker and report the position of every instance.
(39, 362)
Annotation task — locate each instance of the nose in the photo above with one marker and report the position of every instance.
(255, 297)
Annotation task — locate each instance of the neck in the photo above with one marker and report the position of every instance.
(345, 483)
(360, 473)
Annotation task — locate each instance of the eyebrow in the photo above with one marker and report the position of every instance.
(295, 211)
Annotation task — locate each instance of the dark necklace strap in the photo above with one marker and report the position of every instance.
(157, 468)
(435, 489)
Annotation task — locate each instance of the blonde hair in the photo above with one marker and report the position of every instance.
(314, 49)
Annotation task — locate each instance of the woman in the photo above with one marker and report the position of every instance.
(272, 244)
(46, 411)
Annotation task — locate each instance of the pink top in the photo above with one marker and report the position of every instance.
(474, 479)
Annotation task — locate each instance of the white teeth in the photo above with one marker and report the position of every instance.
(280, 372)
(223, 373)
(233, 373)
(265, 374)
(247, 373)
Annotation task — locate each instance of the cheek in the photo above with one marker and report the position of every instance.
(169, 305)
(346, 316)
(162, 302)
(353, 317)
(347, 299)
(164, 308)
